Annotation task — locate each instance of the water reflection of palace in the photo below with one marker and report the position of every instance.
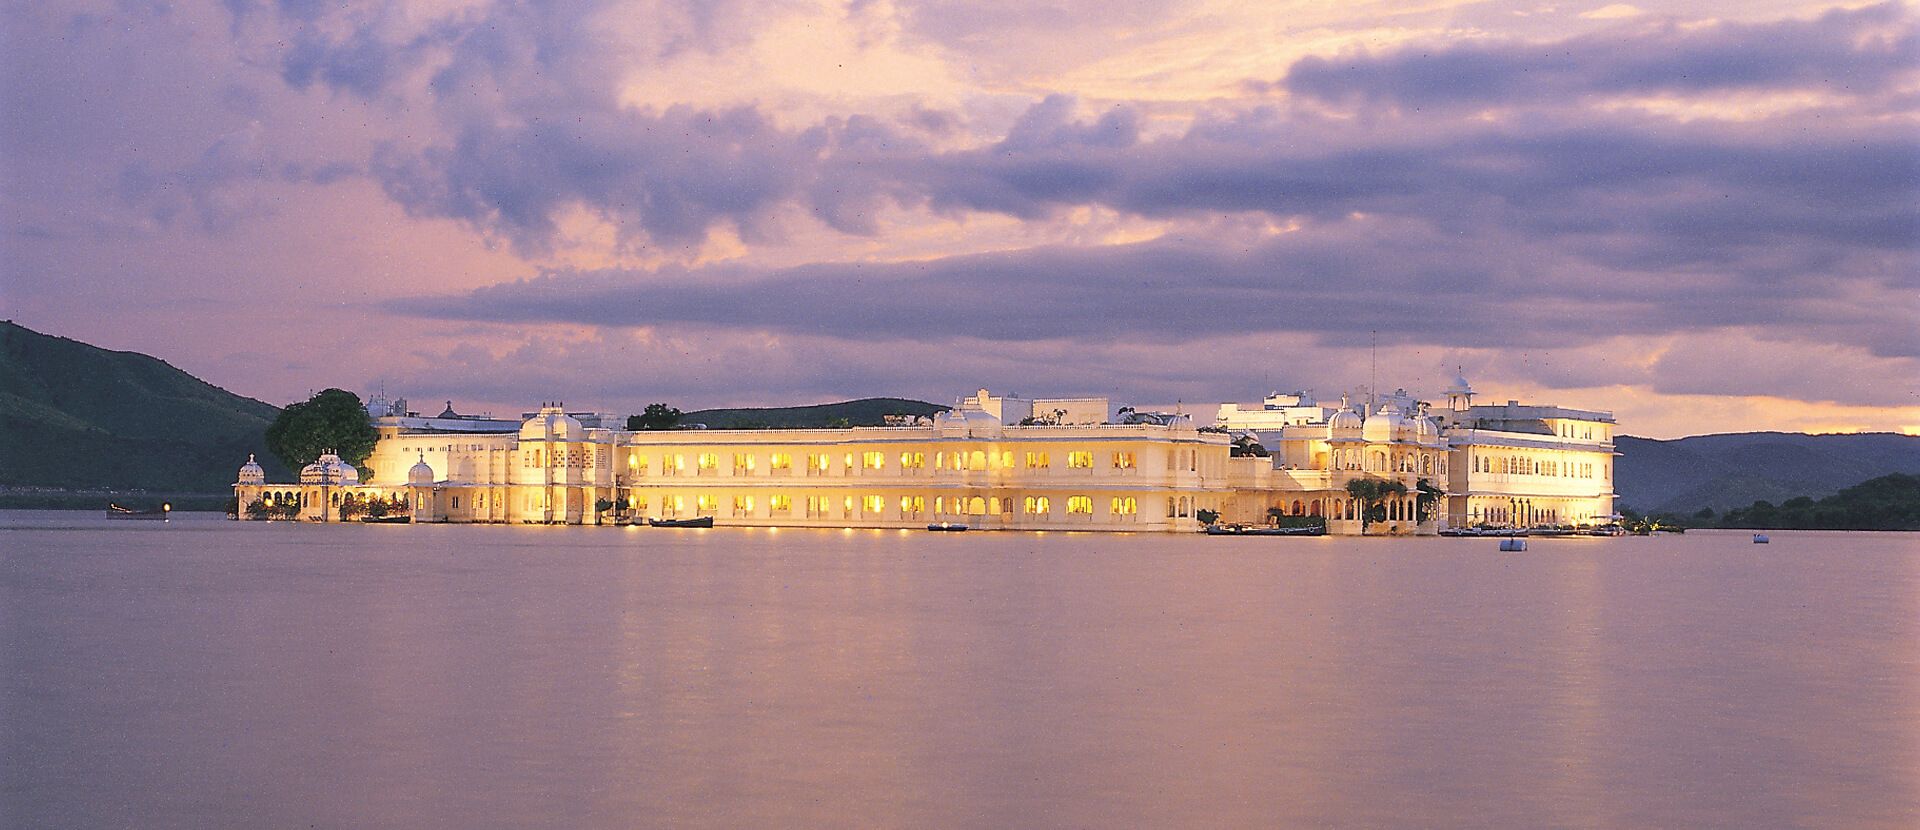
(992, 462)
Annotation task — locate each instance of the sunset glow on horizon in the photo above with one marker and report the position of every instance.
(1702, 216)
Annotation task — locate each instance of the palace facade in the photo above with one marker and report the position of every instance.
(1062, 465)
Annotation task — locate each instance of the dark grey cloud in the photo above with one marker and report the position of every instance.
(1842, 52)
(1338, 282)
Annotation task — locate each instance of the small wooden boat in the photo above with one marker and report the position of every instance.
(386, 520)
(947, 527)
(115, 511)
(1761, 539)
(703, 521)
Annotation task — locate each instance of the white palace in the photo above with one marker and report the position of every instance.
(992, 462)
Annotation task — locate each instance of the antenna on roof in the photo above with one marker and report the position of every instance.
(1373, 380)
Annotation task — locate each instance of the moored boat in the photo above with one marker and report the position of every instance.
(115, 511)
(703, 521)
(947, 527)
(1255, 530)
(386, 520)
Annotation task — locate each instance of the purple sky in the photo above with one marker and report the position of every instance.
(1703, 215)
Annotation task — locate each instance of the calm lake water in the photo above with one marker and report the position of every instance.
(205, 673)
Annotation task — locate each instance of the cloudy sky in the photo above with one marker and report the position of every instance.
(1704, 216)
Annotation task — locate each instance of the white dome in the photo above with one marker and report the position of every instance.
(250, 472)
(420, 473)
(1385, 425)
(329, 469)
(1460, 386)
(1345, 420)
(553, 424)
(1426, 431)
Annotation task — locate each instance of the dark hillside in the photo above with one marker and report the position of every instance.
(865, 412)
(1736, 469)
(75, 416)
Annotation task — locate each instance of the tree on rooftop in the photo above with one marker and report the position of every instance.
(332, 420)
(657, 416)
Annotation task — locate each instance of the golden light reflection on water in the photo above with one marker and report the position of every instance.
(751, 678)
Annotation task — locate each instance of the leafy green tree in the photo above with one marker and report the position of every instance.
(1371, 493)
(656, 416)
(332, 420)
(1206, 516)
(1427, 497)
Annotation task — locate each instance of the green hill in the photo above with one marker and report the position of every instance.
(865, 412)
(77, 417)
(1736, 469)
(1890, 502)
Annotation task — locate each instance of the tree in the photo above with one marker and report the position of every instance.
(1245, 446)
(332, 420)
(1370, 492)
(657, 416)
(1429, 496)
(1206, 516)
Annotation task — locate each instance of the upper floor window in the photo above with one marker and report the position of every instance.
(1080, 504)
(819, 462)
(1123, 461)
(913, 460)
(1037, 505)
(709, 460)
(873, 460)
(780, 461)
(873, 504)
(1124, 506)
(743, 462)
(1038, 461)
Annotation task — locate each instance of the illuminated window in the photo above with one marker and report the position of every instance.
(819, 506)
(1037, 461)
(1124, 506)
(1006, 459)
(708, 503)
(818, 462)
(873, 504)
(780, 461)
(912, 504)
(1080, 460)
(1123, 461)
(742, 505)
(913, 460)
(636, 503)
(976, 506)
(743, 462)
(849, 460)
(1037, 505)
(977, 461)
(780, 504)
(873, 460)
(678, 465)
(1080, 504)
(709, 461)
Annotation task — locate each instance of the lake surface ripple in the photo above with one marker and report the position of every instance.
(204, 673)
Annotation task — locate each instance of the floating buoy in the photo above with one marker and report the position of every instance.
(1513, 545)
